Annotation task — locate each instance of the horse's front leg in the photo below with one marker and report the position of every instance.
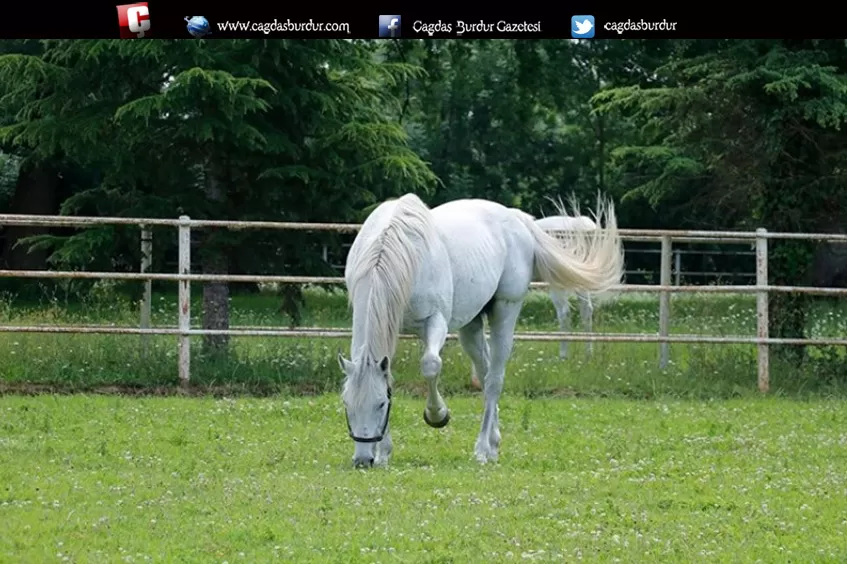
(436, 413)
(384, 449)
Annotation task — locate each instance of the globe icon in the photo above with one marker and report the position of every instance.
(198, 26)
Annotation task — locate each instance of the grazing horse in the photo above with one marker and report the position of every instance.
(561, 298)
(430, 271)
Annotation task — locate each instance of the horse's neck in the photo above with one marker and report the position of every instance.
(362, 344)
(381, 275)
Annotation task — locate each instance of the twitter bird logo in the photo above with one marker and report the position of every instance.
(582, 27)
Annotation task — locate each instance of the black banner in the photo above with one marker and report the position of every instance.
(159, 19)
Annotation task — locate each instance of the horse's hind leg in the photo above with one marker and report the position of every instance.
(586, 314)
(502, 320)
(472, 339)
(475, 374)
(436, 413)
(475, 381)
(561, 302)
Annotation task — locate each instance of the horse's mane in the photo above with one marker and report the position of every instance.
(384, 270)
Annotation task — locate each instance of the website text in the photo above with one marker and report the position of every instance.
(277, 26)
(640, 25)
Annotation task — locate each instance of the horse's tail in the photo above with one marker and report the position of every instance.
(589, 260)
(387, 270)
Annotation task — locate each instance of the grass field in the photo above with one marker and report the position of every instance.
(606, 458)
(115, 479)
(271, 365)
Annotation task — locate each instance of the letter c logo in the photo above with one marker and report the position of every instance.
(138, 18)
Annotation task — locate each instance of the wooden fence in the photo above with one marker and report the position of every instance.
(184, 332)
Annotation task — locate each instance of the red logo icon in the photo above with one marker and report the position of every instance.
(134, 20)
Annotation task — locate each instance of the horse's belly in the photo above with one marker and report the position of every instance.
(476, 276)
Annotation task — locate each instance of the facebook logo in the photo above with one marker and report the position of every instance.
(389, 26)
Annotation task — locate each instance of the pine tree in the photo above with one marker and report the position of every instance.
(750, 128)
(226, 129)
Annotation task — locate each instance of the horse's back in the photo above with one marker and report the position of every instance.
(564, 222)
(478, 232)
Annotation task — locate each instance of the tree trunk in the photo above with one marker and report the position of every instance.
(215, 260)
(788, 263)
(36, 192)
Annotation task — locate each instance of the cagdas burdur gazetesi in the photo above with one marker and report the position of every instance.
(481, 26)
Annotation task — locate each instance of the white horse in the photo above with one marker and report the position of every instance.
(561, 298)
(431, 271)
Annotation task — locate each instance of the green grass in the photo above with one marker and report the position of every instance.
(270, 365)
(114, 479)
(604, 458)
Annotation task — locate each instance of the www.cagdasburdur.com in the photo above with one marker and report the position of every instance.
(277, 26)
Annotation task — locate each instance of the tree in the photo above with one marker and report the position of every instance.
(253, 130)
(751, 129)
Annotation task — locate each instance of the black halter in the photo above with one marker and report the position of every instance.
(377, 438)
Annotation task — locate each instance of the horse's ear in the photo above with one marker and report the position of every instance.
(384, 364)
(346, 365)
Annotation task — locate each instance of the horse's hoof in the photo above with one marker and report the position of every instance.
(476, 383)
(485, 455)
(440, 424)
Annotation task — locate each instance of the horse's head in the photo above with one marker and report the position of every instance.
(367, 403)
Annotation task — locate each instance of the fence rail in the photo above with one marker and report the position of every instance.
(183, 330)
(333, 333)
(678, 272)
(282, 279)
(185, 221)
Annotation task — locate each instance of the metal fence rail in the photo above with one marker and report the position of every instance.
(184, 277)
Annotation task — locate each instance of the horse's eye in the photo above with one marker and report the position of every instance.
(380, 406)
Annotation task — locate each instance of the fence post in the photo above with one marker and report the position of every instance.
(677, 259)
(664, 300)
(184, 300)
(762, 321)
(147, 301)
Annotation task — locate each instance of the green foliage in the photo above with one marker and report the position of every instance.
(684, 134)
(9, 167)
(748, 129)
(292, 130)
